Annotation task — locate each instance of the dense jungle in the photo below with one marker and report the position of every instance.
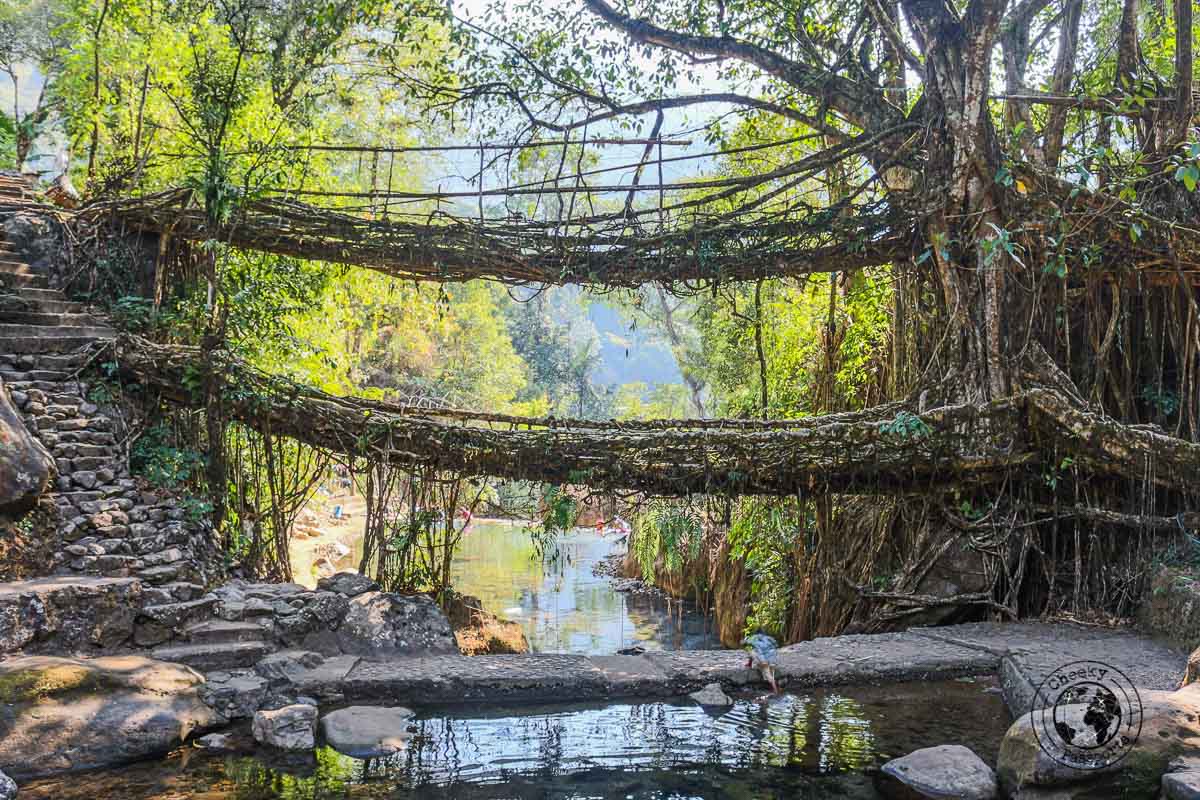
(930, 204)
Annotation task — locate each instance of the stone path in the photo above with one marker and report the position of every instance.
(108, 524)
(254, 661)
(1020, 653)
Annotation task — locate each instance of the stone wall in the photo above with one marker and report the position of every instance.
(108, 522)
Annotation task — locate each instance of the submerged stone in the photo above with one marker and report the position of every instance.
(217, 742)
(367, 731)
(946, 772)
(712, 696)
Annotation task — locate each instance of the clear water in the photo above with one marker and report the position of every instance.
(822, 744)
(564, 607)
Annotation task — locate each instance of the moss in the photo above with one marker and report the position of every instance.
(38, 685)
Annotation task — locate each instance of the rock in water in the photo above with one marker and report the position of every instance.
(289, 728)
(946, 772)
(1181, 786)
(712, 696)
(66, 714)
(367, 731)
(385, 624)
(1170, 732)
(25, 465)
(351, 584)
(217, 742)
(8, 787)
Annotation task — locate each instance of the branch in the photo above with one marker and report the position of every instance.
(866, 110)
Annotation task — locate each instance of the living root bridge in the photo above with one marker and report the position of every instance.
(889, 449)
(443, 248)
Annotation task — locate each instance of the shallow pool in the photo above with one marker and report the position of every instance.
(819, 744)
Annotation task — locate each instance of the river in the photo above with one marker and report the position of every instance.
(563, 605)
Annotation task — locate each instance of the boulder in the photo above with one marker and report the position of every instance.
(712, 696)
(1181, 786)
(292, 727)
(8, 787)
(381, 624)
(1170, 731)
(946, 772)
(350, 584)
(66, 714)
(236, 695)
(67, 614)
(367, 731)
(328, 607)
(26, 468)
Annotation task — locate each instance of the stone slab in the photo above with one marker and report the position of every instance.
(327, 680)
(632, 676)
(1002, 638)
(423, 680)
(688, 670)
(1148, 664)
(883, 657)
(1022, 653)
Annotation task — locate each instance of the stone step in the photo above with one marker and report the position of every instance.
(218, 631)
(209, 657)
(50, 301)
(18, 331)
(35, 293)
(14, 280)
(49, 387)
(68, 361)
(39, 345)
(12, 265)
(44, 375)
(45, 319)
(177, 615)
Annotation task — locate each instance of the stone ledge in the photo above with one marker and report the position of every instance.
(1021, 653)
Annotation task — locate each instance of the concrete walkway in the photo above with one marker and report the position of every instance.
(1022, 654)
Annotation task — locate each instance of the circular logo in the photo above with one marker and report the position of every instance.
(1087, 715)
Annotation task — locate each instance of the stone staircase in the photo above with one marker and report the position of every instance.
(107, 525)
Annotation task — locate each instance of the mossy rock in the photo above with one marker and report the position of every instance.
(66, 714)
(1170, 731)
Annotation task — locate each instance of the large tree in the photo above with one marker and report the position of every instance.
(1023, 170)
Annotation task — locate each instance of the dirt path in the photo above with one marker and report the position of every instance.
(322, 544)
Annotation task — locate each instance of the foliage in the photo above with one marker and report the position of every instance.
(8, 142)
(558, 514)
(157, 456)
(765, 535)
(667, 535)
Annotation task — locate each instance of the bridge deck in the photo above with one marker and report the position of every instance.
(1020, 653)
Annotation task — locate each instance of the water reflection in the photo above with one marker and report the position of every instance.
(822, 744)
(567, 608)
